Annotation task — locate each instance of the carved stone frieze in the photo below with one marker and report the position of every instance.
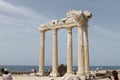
(72, 17)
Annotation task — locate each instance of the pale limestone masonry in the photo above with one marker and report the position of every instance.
(73, 19)
(69, 52)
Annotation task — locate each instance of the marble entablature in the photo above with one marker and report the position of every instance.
(74, 18)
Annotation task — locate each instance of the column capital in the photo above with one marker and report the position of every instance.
(55, 29)
(54, 33)
(85, 29)
(69, 30)
(83, 24)
(42, 32)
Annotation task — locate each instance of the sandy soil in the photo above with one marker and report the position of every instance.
(26, 77)
(32, 77)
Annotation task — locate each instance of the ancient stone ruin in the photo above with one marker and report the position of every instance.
(73, 19)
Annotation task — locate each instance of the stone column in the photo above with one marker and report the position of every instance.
(69, 53)
(86, 51)
(55, 55)
(81, 71)
(42, 53)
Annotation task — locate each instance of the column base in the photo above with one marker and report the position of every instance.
(54, 74)
(81, 75)
(40, 73)
(82, 78)
(87, 74)
(68, 74)
(72, 77)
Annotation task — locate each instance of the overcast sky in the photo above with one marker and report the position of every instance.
(20, 37)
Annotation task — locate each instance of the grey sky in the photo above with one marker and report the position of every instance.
(20, 38)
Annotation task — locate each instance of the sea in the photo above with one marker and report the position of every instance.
(18, 68)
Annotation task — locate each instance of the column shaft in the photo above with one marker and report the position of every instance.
(86, 51)
(42, 53)
(69, 53)
(80, 52)
(55, 55)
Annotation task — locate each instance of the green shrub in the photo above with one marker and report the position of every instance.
(2, 70)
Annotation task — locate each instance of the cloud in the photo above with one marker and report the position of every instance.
(104, 42)
(20, 16)
(18, 25)
(107, 32)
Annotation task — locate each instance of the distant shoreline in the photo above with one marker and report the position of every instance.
(28, 68)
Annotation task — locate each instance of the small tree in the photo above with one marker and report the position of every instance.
(2, 70)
